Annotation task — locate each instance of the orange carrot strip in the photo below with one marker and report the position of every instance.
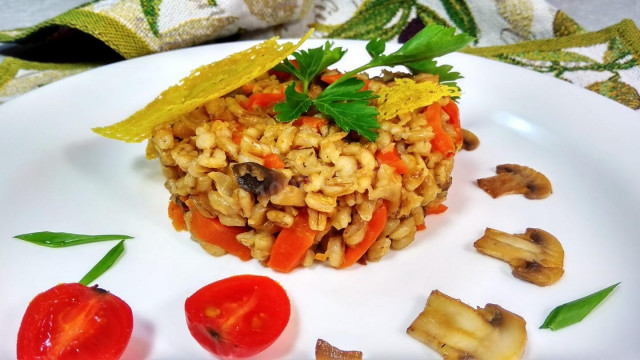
(292, 244)
(454, 119)
(437, 210)
(392, 158)
(330, 79)
(177, 216)
(262, 100)
(374, 228)
(421, 227)
(441, 141)
(213, 232)
(314, 122)
(273, 161)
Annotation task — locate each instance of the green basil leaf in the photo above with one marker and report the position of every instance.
(574, 311)
(62, 239)
(104, 264)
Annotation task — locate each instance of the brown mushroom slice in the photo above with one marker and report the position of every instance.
(325, 351)
(257, 179)
(470, 141)
(516, 179)
(535, 256)
(457, 331)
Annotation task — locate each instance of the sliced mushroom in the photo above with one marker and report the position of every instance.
(325, 351)
(516, 179)
(535, 256)
(457, 331)
(470, 141)
(258, 179)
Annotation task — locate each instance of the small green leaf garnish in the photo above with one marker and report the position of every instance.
(295, 105)
(375, 47)
(104, 264)
(574, 311)
(342, 100)
(311, 62)
(62, 239)
(445, 75)
(349, 107)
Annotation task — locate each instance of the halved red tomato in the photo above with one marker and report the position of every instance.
(73, 321)
(239, 316)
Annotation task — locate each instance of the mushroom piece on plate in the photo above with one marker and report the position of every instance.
(325, 351)
(457, 331)
(535, 256)
(470, 141)
(516, 179)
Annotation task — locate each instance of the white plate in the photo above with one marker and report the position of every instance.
(58, 175)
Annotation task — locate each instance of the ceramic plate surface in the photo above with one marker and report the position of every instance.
(60, 176)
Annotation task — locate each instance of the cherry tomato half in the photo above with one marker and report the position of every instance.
(239, 316)
(72, 321)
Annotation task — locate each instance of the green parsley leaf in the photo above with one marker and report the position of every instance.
(574, 311)
(349, 107)
(295, 104)
(342, 100)
(62, 239)
(375, 47)
(311, 62)
(104, 264)
(431, 42)
(445, 75)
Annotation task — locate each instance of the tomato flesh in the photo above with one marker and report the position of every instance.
(239, 316)
(72, 321)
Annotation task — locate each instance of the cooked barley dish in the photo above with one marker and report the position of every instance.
(305, 191)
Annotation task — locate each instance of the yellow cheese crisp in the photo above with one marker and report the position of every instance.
(203, 84)
(408, 95)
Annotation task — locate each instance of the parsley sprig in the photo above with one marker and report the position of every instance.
(344, 101)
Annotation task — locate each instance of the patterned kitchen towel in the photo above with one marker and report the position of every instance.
(507, 30)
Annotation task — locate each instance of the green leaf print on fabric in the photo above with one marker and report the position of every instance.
(518, 14)
(461, 15)
(555, 56)
(429, 16)
(617, 90)
(372, 19)
(563, 25)
(616, 50)
(151, 11)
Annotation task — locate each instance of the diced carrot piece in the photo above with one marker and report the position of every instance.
(262, 100)
(292, 244)
(437, 210)
(421, 227)
(248, 88)
(177, 216)
(330, 78)
(392, 158)
(273, 161)
(374, 228)
(213, 232)
(236, 136)
(314, 122)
